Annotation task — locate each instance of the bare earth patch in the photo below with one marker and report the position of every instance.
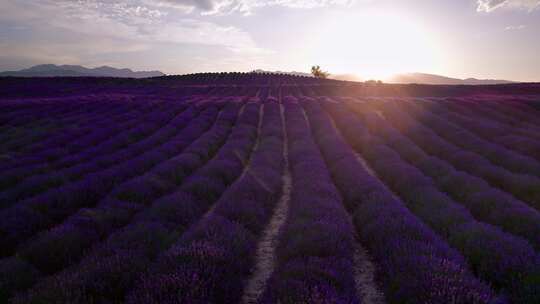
(364, 276)
(265, 255)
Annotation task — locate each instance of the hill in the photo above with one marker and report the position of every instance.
(404, 78)
(266, 188)
(52, 70)
(424, 78)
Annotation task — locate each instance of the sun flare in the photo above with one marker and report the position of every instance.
(374, 45)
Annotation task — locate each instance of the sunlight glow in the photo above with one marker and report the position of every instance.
(373, 45)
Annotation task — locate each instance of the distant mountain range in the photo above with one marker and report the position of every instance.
(51, 70)
(437, 79)
(420, 78)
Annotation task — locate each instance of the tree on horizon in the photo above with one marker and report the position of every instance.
(317, 72)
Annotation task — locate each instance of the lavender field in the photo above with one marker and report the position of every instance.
(265, 188)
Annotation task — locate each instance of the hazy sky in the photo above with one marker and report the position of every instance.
(371, 38)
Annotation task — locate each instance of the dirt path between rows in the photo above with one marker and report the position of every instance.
(364, 270)
(248, 162)
(265, 254)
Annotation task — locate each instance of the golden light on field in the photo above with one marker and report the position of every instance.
(375, 45)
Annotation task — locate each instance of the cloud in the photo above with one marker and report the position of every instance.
(514, 27)
(212, 7)
(129, 22)
(92, 31)
(491, 5)
(205, 5)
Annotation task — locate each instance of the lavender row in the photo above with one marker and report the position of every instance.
(19, 107)
(31, 180)
(13, 176)
(128, 251)
(28, 114)
(73, 143)
(314, 262)
(524, 187)
(9, 131)
(491, 132)
(31, 215)
(513, 125)
(54, 121)
(465, 139)
(87, 113)
(506, 261)
(168, 109)
(29, 164)
(60, 203)
(499, 113)
(414, 264)
(529, 134)
(124, 122)
(484, 202)
(203, 189)
(211, 260)
(138, 110)
(136, 137)
(519, 110)
(118, 149)
(499, 123)
(128, 113)
(525, 146)
(140, 190)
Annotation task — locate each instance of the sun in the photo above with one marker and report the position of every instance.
(373, 45)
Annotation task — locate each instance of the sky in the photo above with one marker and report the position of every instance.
(495, 39)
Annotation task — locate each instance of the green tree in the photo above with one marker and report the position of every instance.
(317, 72)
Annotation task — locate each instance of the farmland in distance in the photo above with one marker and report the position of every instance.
(267, 188)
